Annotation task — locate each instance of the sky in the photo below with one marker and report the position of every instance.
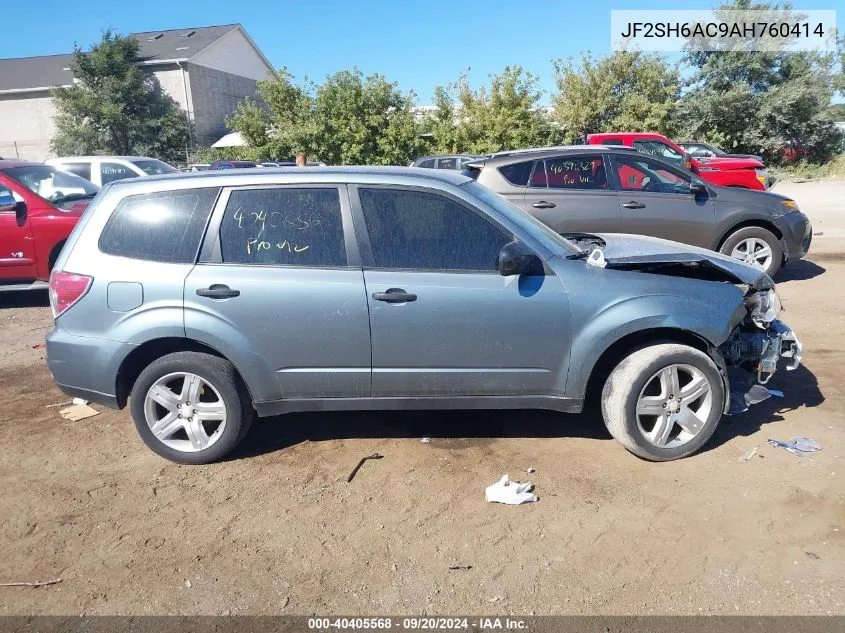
(417, 44)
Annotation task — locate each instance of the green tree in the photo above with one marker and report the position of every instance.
(349, 119)
(761, 101)
(366, 121)
(505, 114)
(626, 91)
(116, 107)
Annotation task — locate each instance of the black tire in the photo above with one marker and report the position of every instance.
(216, 371)
(630, 377)
(761, 234)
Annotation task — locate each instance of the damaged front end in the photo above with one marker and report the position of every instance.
(750, 355)
(754, 348)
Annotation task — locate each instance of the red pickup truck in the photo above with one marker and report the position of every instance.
(39, 206)
(727, 172)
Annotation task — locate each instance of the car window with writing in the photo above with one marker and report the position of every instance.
(576, 173)
(419, 230)
(114, 171)
(283, 227)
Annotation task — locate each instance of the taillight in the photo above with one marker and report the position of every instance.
(66, 289)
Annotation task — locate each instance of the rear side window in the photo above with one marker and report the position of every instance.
(160, 227)
(447, 163)
(110, 172)
(283, 227)
(428, 163)
(80, 169)
(576, 172)
(517, 173)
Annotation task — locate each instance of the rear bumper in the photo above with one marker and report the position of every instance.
(85, 367)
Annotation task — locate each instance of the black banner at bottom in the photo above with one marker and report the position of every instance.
(532, 624)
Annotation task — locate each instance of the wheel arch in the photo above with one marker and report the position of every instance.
(145, 353)
(759, 223)
(54, 254)
(629, 343)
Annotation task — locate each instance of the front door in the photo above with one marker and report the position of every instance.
(655, 199)
(283, 294)
(571, 194)
(17, 248)
(444, 322)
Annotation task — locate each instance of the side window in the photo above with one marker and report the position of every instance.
(421, 230)
(283, 227)
(447, 163)
(80, 169)
(110, 172)
(428, 163)
(641, 174)
(611, 141)
(160, 227)
(659, 149)
(517, 173)
(576, 172)
(539, 177)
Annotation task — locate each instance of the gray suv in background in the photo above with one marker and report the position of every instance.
(596, 188)
(200, 299)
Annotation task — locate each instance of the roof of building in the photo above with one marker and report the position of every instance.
(31, 73)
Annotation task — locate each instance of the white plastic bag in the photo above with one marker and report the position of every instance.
(510, 492)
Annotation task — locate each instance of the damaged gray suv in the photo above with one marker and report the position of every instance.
(203, 299)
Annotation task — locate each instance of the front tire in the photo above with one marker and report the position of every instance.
(663, 402)
(190, 407)
(756, 247)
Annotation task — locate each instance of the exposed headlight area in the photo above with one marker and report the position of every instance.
(763, 307)
(763, 177)
(754, 349)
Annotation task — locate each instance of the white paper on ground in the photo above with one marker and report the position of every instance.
(509, 492)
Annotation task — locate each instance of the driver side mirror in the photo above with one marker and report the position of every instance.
(688, 164)
(9, 203)
(697, 187)
(516, 258)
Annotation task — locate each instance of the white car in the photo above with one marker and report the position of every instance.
(104, 169)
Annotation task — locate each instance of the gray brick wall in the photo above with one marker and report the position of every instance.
(215, 95)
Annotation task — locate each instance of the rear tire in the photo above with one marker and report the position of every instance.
(746, 244)
(198, 432)
(638, 417)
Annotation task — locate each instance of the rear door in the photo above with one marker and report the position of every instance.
(444, 322)
(654, 199)
(570, 193)
(279, 288)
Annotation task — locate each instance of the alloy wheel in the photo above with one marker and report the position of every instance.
(674, 406)
(185, 412)
(754, 252)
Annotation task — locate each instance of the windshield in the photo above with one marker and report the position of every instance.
(538, 230)
(151, 167)
(52, 184)
(718, 151)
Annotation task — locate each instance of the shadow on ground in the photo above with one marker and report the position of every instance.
(458, 428)
(799, 271)
(800, 389)
(465, 428)
(25, 299)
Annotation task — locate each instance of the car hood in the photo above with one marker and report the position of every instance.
(624, 251)
(730, 163)
(768, 199)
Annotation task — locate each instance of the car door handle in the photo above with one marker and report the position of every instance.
(633, 204)
(543, 204)
(218, 291)
(394, 295)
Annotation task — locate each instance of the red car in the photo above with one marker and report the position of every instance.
(727, 172)
(39, 206)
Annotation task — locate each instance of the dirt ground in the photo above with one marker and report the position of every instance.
(277, 529)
